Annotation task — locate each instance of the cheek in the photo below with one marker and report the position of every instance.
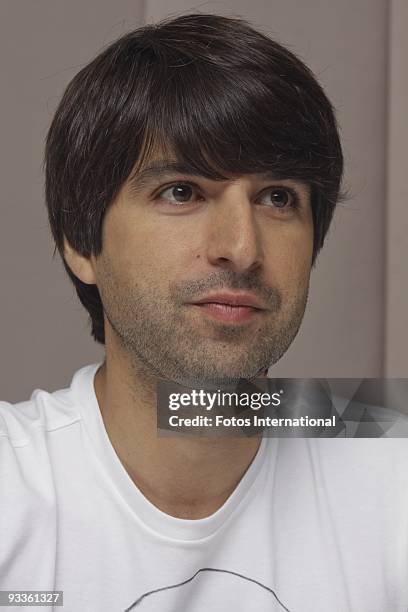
(288, 260)
(146, 251)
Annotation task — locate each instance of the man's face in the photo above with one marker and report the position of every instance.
(175, 240)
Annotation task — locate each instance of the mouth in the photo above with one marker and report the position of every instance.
(233, 308)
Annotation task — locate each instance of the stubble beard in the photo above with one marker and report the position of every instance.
(159, 335)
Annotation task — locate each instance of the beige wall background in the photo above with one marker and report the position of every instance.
(357, 319)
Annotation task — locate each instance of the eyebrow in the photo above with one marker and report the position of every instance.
(165, 169)
(159, 170)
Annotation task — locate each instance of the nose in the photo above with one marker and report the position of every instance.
(233, 238)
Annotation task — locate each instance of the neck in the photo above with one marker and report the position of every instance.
(186, 477)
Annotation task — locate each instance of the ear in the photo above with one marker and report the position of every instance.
(80, 265)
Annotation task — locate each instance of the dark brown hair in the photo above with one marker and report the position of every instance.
(220, 95)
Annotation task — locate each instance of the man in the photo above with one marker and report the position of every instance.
(192, 170)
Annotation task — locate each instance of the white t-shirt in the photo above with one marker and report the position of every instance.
(315, 525)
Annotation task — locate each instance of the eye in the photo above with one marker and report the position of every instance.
(281, 198)
(179, 193)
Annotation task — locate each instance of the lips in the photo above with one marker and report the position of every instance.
(232, 299)
(230, 308)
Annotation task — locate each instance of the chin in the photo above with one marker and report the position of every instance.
(222, 377)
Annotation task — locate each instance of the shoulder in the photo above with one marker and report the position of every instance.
(26, 427)
(27, 488)
(376, 466)
(45, 411)
(30, 433)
